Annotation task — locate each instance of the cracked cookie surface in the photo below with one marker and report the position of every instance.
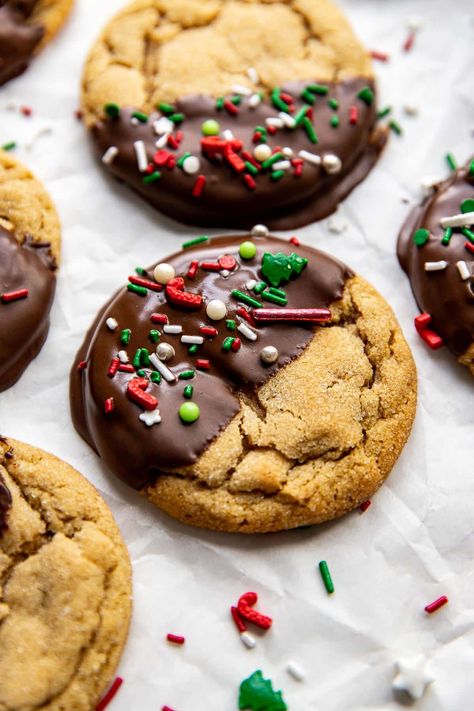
(190, 55)
(299, 441)
(65, 586)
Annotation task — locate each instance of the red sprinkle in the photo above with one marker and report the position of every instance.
(203, 364)
(295, 241)
(166, 708)
(136, 392)
(433, 606)
(82, 365)
(113, 367)
(209, 331)
(240, 624)
(353, 115)
(250, 182)
(159, 318)
(175, 639)
(298, 171)
(199, 186)
(272, 130)
(236, 344)
(171, 162)
(14, 295)
(469, 246)
(139, 281)
(109, 405)
(381, 56)
(409, 42)
(176, 294)
(231, 108)
(211, 266)
(161, 158)
(227, 262)
(110, 694)
(234, 160)
(126, 368)
(257, 137)
(246, 315)
(179, 135)
(422, 321)
(287, 98)
(246, 610)
(363, 507)
(431, 338)
(27, 110)
(249, 157)
(172, 142)
(306, 315)
(193, 267)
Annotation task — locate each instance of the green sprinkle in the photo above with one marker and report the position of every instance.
(141, 373)
(334, 121)
(301, 114)
(137, 358)
(154, 335)
(140, 116)
(258, 288)
(189, 412)
(193, 242)
(467, 205)
(273, 159)
(309, 128)
(326, 576)
(320, 89)
(333, 104)
(308, 97)
(188, 392)
(231, 325)
(210, 128)
(421, 237)
(176, 118)
(277, 102)
(9, 146)
(395, 127)
(125, 336)
(247, 250)
(469, 234)
(447, 236)
(267, 296)
(193, 349)
(166, 109)
(187, 375)
(277, 175)
(181, 160)
(140, 271)
(227, 344)
(236, 100)
(246, 299)
(251, 168)
(144, 357)
(451, 161)
(140, 290)
(152, 178)
(220, 103)
(155, 377)
(471, 168)
(382, 113)
(366, 95)
(112, 110)
(277, 292)
(261, 129)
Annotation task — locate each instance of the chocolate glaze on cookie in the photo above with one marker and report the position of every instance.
(18, 38)
(135, 452)
(5, 504)
(444, 294)
(300, 196)
(24, 322)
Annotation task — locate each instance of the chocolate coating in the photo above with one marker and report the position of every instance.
(443, 294)
(5, 504)
(226, 200)
(136, 453)
(18, 37)
(24, 323)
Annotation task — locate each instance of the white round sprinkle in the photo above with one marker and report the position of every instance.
(269, 354)
(260, 231)
(337, 224)
(332, 163)
(216, 310)
(262, 152)
(123, 356)
(165, 351)
(247, 640)
(163, 272)
(134, 121)
(288, 152)
(163, 125)
(112, 324)
(191, 165)
(295, 671)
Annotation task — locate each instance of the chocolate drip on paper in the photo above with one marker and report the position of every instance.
(18, 37)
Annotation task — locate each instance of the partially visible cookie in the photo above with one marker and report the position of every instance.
(25, 27)
(436, 249)
(232, 112)
(30, 242)
(65, 585)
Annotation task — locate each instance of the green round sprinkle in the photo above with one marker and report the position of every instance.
(247, 250)
(231, 325)
(155, 377)
(210, 128)
(334, 121)
(421, 237)
(366, 95)
(189, 412)
(333, 104)
(112, 110)
(188, 392)
(467, 205)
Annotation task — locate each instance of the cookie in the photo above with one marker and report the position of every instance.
(247, 384)
(65, 585)
(231, 112)
(30, 242)
(25, 27)
(436, 250)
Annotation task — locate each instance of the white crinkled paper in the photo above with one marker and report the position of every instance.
(413, 544)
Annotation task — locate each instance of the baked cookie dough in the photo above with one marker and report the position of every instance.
(65, 585)
(30, 243)
(231, 112)
(436, 249)
(198, 387)
(25, 27)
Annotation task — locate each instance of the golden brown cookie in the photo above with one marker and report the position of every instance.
(208, 385)
(30, 243)
(65, 585)
(230, 112)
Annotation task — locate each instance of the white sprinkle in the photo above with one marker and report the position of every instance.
(414, 23)
(411, 109)
(255, 100)
(337, 224)
(140, 152)
(194, 340)
(282, 165)
(295, 671)
(260, 231)
(274, 122)
(247, 332)
(172, 329)
(110, 155)
(288, 152)
(435, 266)
(250, 284)
(242, 90)
(225, 272)
(310, 157)
(332, 163)
(123, 356)
(150, 417)
(191, 165)
(287, 119)
(228, 135)
(463, 270)
(163, 125)
(112, 324)
(247, 640)
(253, 75)
(161, 142)
(428, 184)
(465, 219)
(134, 121)
(162, 368)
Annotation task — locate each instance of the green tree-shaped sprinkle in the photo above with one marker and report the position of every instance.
(279, 269)
(257, 694)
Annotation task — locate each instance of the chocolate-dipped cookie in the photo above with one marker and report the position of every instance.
(228, 113)
(436, 250)
(246, 384)
(29, 254)
(25, 27)
(65, 585)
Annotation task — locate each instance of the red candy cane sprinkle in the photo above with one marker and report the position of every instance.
(109, 405)
(295, 315)
(433, 606)
(110, 694)
(239, 623)
(10, 296)
(247, 611)
(199, 186)
(231, 108)
(431, 338)
(136, 392)
(175, 639)
(176, 294)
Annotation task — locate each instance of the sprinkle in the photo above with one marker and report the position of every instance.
(176, 118)
(9, 146)
(275, 121)
(245, 298)
(216, 310)
(146, 283)
(175, 639)
(433, 606)
(432, 339)
(150, 418)
(463, 269)
(255, 100)
(109, 695)
(126, 368)
(421, 237)
(435, 266)
(469, 246)
(287, 119)
(125, 336)
(248, 640)
(395, 127)
(210, 128)
(259, 287)
(278, 103)
(176, 294)
(274, 298)
(197, 340)
(228, 135)
(303, 315)
(112, 110)
(273, 159)
(242, 90)
(243, 313)
(409, 42)
(203, 364)
(151, 178)
(428, 184)
(332, 163)
(110, 155)
(189, 412)
(310, 157)
(247, 611)
(227, 262)
(326, 576)
(199, 186)
(109, 405)
(295, 671)
(155, 377)
(82, 365)
(193, 267)
(464, 219)
(188, 392)
(162, 368)
(166, 708)
(140, 290)
(163, 126)
(468, 233)
(163, 273)
(231, 108)
(123, 356)
(467, 205)
(269, 355)
(227, 344)
(365, 505)
(411, 109)
(259, 231)
(366, 95)
(236, 345)
(173, 330)
(382, 113)
(113, 367)
(309, 128)
(334, 121)
(320, 89)
(451, 161)
(380, 56)
(208, 331)
(253, 75)
(165, 351)
(353, 115)
(211, 266)
(277, 175)
(230, 324)
(140, 152)
(282, 165)
(159, 318)
(193, 349)
(10, 296)
(240, 624)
